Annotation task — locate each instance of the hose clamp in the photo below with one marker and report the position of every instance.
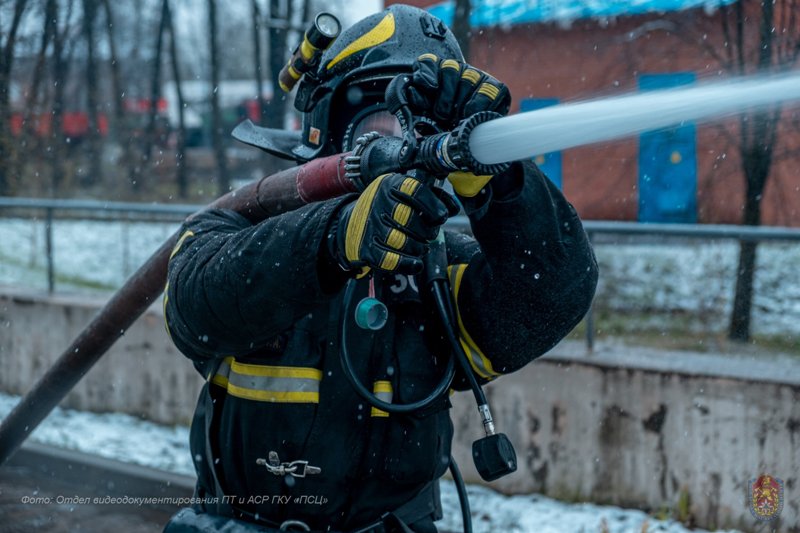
(352, 162)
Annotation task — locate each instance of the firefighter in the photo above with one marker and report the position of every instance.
(280, 439)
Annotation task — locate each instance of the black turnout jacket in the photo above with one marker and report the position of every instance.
(257, 308)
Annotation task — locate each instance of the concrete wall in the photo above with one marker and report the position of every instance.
(143, 373)
(624, 426)
(612, 429)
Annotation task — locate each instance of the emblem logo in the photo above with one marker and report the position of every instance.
(766, 497)
(313, 135)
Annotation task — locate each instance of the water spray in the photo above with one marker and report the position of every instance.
(559, 127)
(486, 143)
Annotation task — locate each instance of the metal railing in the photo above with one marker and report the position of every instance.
(141, 212)
(691, 231)
(91, 210)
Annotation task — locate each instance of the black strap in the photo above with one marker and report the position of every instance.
(222, 507)
(423, 505)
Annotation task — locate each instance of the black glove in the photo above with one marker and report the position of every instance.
(448, 91)
(390, 225)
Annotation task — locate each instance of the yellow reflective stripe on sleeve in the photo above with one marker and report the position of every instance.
(166, 299)
(268, 383)
(186, 235)
(377, 35)
(383, 391)
(471, 75)
(479, 362)
(276, 371)
(431, 57)
(489, 90)
(273, 396)
(164, 310)
(222, 381)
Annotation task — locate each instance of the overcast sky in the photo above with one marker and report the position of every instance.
(359, 9)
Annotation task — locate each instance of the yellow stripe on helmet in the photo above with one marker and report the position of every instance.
(377, 35)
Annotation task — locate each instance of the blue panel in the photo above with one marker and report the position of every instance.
(668, 163)
(486, 13)
(549, 163)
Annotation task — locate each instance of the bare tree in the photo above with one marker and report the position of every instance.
(150, 135)
(258, 59)
(279, 23)
(32, 108)
(756, 37)
(95, 174)
(60, 70)
(223, 182)
(774, 48)
(6, 63)
(182, 175)
(120, 128)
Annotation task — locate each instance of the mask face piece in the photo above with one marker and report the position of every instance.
(375, 119)
(383, 122)
(357, 106)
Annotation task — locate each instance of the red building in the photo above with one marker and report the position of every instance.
(683, 175)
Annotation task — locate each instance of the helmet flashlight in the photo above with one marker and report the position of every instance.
(316, 39)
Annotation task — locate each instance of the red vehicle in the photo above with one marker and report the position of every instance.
(75, 124)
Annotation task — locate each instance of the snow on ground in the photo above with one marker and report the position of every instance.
(99, 254)
(114, 436)
(698, 278)
(130, 439)
(693, 277)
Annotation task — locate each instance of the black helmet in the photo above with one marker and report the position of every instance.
(351, 79)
